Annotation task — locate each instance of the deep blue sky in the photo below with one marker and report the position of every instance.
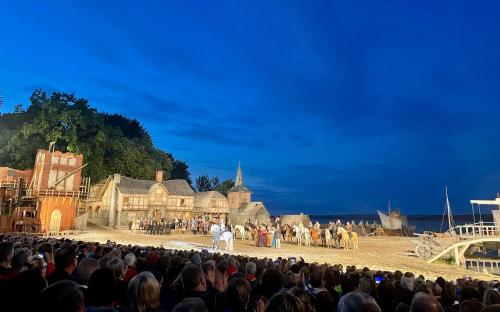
(332, 107)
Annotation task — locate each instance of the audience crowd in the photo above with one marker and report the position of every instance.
(38, 274)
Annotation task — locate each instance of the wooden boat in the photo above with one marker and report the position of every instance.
(394, 223)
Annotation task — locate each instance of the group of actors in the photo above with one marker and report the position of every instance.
(269, 236)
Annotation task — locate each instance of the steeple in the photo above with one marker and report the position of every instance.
(238, 183)
(239, 176)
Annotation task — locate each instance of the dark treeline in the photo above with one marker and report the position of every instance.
(110, 143)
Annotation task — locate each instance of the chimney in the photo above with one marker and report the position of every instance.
(159, 176)
(116, 178)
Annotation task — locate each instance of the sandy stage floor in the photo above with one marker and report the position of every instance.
(377, 253)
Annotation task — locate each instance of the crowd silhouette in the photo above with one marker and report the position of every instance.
(40, 274)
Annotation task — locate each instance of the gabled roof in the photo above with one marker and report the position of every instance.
(209, 195)
(136, 186)
(252, 208)
(178, 187)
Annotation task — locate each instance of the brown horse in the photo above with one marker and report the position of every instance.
(288, 233)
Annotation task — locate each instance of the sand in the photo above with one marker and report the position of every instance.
(376, 253)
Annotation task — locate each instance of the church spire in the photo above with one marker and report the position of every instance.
(239, 176)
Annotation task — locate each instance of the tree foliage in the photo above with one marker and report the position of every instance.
(205, 183)
(109, 143)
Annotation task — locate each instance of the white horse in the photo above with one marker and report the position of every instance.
(328, 238)
(219, 235)
(228, 238)
(241, 229)
(299, 232)
(307, 237)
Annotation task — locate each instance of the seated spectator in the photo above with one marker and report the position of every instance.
(23, 291)
(38, 263)
(102, 291)
(6, 254)
(250, 270)
(143, 293)
(191, 305)
(423, 302)
(285, 302)
(358, 302)
(491, 296)
(305, 298)
(130, 262)
(85, 269)
(61, 296)
(237, 295)
(470, 305)
(65, 265)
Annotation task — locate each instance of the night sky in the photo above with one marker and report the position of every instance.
(331, 107)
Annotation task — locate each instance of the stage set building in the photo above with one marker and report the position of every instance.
(49, 198)
(120, 200)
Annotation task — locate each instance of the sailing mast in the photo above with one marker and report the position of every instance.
(450, 216)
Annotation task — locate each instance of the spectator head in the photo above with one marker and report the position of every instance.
(143, 293)
(470, 305)
(65, 259)
(365, 285)
(237, 295)
(129, 260)
(6, 253)
(193, 278)
(291, 280)
(102, 288)
(423, 302)
(62, 296)
(272, 282)
(85, 269)
(304, 297)
(407, 283)
(358, 302)
(491, 296)
(285, 302)
(116, 266)
(316, 279)
(38, 263)
(196, 259)
(191, 305)
(251, 268)
(323, 302)
(20, 259)
(23, 291)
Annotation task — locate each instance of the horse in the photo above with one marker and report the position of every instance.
(299, 232)
(307, 237)
(288, 233)
(328, 238)
(241, 229)
(345, 239)
(252, 229)
(225, 236)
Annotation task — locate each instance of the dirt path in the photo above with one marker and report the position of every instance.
(376, 253)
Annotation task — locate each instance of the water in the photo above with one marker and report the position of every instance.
(422, 222)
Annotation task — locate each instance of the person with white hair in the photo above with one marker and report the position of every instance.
(129, 262)
(356, 302)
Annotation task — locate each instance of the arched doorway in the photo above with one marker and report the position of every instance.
(55, 221)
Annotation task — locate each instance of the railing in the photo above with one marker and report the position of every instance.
(61, 193)
(477, 230)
